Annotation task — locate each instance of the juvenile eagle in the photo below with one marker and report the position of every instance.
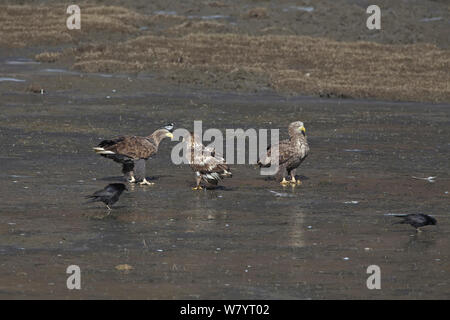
(291, 153)
(208, 166)
(133, 151)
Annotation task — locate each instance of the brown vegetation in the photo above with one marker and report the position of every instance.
(291, 64)
(39, 25)
(47, 57)
(257, 13)
(253, 54)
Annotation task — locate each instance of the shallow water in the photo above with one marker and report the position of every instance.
(251, 238)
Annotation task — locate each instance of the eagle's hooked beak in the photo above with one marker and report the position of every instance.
(302, 129)
(169, 134)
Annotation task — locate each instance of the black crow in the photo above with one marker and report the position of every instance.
(108, 195)
(416, 220)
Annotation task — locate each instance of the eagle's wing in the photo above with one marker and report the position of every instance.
(214, 169)
(211, 166)
(215, 164)
(210, 150)
(111, 142)
(284, 154)
(129, 146)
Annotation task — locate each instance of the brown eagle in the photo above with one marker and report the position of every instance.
(291, 153)
(133, 151)
(208, 166)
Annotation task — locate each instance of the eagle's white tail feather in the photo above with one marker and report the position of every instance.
(102, 151)
(227, 173)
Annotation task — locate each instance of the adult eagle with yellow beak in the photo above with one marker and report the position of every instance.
(291, 153)
(133, 152)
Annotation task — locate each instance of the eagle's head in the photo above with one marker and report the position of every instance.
(164, 132)
(296, 128)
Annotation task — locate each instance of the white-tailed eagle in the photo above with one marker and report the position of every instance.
(291, 153)
(133, 152)
(208, 166)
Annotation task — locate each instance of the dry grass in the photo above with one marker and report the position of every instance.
(293, 64)
(258, 13)
(221, 55)
(217, 4)
(39, 25)
(199, 27)
(47, 57)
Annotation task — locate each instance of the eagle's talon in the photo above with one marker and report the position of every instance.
(197, 188)
(146, 183)
(284, 182)
(132, 180)
(298, 182)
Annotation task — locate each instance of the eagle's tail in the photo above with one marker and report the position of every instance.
(212, 178)
(102, 151)
(226, 172)
(215, 177)
(261, 165)
(264, 162)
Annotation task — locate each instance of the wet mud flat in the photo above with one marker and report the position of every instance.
(251, 238)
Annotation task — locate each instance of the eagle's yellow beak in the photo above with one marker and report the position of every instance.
(302, 129)
(170, 135)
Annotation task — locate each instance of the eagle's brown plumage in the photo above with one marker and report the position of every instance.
(133, 151)
(208, 166)
(291, 153)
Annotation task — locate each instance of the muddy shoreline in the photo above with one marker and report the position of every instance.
(251, 238)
